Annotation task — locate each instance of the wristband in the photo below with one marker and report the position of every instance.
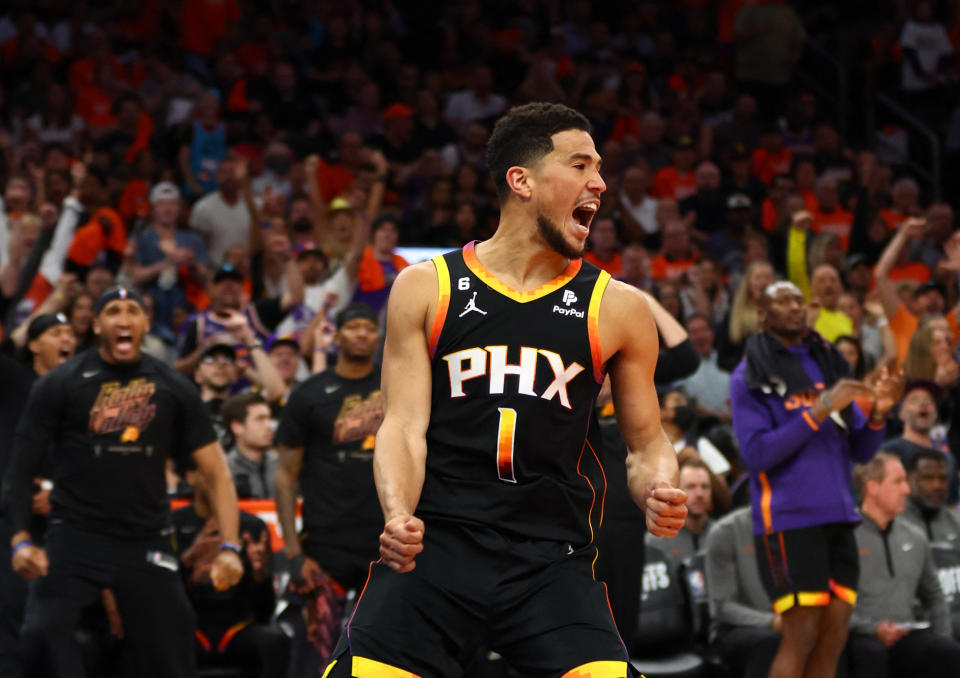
(20, 545)
(229, 545)
(825, 399)
(255, 345)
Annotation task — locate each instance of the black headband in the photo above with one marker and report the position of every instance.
(118, 293)
(44, 322)
(354, 311)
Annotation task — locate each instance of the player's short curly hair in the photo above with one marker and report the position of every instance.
(523, 136)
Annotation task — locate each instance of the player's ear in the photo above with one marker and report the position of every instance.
(520, 182)
(96, 325)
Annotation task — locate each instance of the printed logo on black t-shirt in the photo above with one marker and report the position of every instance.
(358, 419)
(123, 408)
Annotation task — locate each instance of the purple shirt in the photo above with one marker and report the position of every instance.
(799, 470)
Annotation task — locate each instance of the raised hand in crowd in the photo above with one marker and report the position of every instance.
(887, 391)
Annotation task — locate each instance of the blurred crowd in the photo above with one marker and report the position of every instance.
(254, 167)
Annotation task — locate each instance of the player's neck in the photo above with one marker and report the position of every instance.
(519, 258)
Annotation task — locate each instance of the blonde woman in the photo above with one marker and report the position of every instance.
(742, 321)
(930, 357)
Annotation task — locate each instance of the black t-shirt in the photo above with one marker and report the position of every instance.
(335, 420)
(217, 610)
(110, 429)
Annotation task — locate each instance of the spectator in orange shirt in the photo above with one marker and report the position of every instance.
(805, 174)
(771, 158)
(103, 238)
(928, 299)
(906, 195)
(830, 217)
(95, 102)
(335, 179)
(677, 254)
(677, 181)
(774, 209)
(131, 134)
(603, 247)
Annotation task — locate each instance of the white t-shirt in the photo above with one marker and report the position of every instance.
(931, 44)
(644, 213)
(464, 107)
(223, 225)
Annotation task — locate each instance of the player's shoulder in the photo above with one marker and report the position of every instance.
(414, 290)
(421, 274)
(625, 308)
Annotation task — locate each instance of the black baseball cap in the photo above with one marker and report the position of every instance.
(310, 247)
(219, 349)
(354, 311)
(927, 287)
(282, 340)
(228, 271)
(44, 322)
(857, 259)
(931, 387)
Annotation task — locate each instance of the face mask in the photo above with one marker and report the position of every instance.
(684, 416)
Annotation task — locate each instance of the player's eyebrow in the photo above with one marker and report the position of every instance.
(589, 158)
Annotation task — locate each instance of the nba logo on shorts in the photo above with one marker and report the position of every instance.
(569, 297)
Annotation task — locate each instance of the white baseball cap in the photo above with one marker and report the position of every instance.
(165, 190)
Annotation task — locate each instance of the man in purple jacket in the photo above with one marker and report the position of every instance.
(799, 423)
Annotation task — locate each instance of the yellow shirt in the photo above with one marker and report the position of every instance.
(833, 324)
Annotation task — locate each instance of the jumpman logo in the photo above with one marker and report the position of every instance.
(472, 306)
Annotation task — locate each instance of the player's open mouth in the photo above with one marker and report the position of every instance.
(65, 353)
(583, 213)
(124, 341)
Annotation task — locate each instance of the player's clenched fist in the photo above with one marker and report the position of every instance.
(666, 510)
(401, 541)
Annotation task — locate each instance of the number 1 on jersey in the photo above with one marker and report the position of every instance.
(505, 434)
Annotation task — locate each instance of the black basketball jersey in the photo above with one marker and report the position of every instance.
(515, 377)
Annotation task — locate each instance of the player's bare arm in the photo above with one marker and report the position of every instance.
(304, 570)
(212, 463)
(629, 342)
(289, 463)
(400, 455)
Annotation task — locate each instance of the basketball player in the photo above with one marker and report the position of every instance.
(490, 493)
(800, 423)
(111, 417)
